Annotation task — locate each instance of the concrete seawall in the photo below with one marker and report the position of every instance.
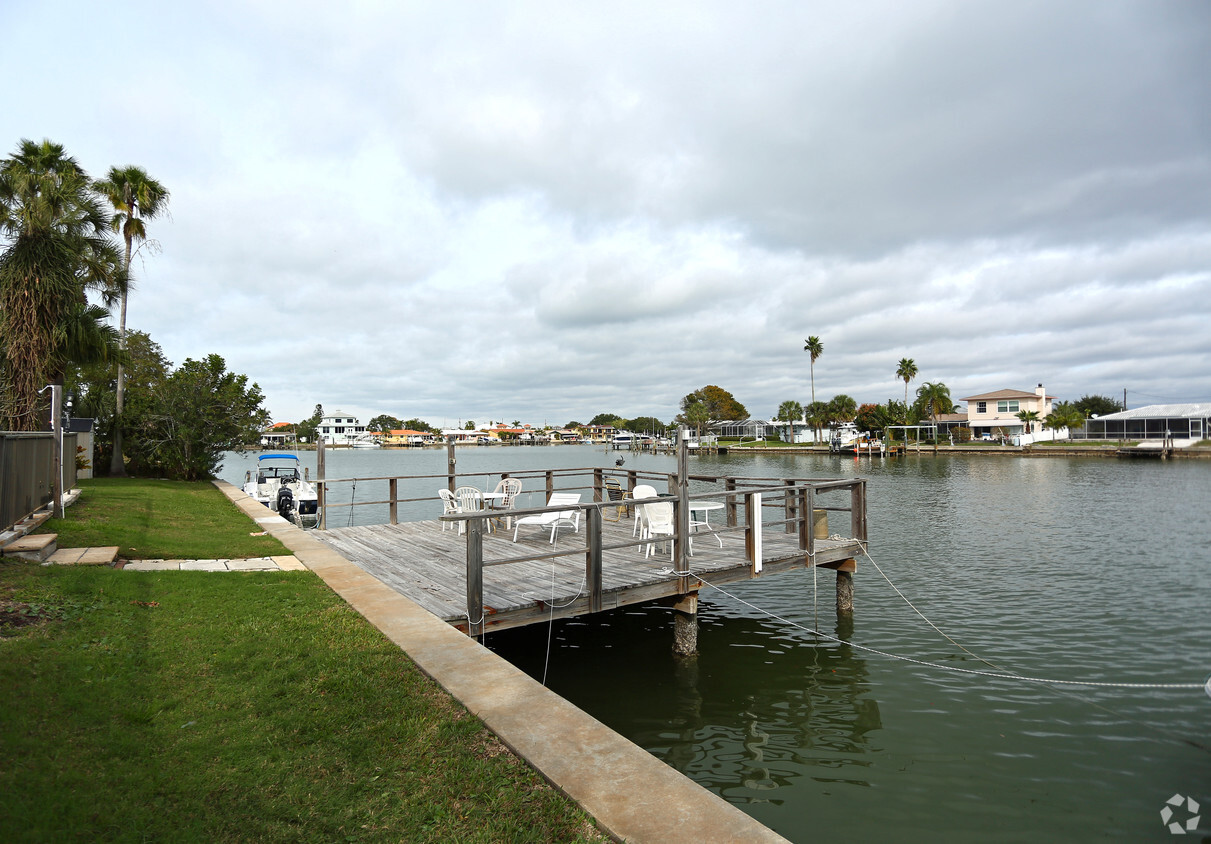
(632, 795)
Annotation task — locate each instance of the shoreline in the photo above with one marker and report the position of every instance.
(1103, 451)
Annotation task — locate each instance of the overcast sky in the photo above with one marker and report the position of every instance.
(545, 211)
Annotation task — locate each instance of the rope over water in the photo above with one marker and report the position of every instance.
(999, 674)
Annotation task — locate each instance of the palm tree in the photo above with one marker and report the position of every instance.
(59, 249)
(934, 396)
(906, 371)
(815, 348)
(816, 415)
(843, 408)
(135, 197)
(1028, 418)
(789, 411)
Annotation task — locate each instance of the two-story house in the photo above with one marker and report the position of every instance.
(998, 411)
(340, 428)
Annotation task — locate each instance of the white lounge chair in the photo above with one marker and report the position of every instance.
(554, 519)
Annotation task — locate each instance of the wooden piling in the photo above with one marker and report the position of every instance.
(685, 625)
(845, 592)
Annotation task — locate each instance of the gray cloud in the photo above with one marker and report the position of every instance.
(529, 211)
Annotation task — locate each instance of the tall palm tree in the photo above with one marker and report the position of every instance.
(934, 396)
(906, 371)
(815, 348)
(58, 249)
(135, 197)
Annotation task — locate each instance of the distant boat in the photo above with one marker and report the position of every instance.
(365, 441)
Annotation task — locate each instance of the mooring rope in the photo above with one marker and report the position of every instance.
(551, 607)
(998, 675)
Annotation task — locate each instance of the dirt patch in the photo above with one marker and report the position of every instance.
(16, 614)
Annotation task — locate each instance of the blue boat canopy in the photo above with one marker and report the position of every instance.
(293, 457)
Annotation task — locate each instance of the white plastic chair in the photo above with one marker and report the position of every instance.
(554, 519)
(658, 521)
(470, 500)
(509, 488)
(641, 491)
(449, 506)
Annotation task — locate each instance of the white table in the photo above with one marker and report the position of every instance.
(705, 508)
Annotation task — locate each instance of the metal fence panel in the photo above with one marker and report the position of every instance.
(27, 473)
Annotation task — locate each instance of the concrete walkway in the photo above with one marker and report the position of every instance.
(631, 794)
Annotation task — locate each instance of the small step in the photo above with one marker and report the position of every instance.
(33, 547)
(98, 556)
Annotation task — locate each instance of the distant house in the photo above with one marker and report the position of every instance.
(1156, 421)
(998, 411)
(407, 436)
(600, 433)
(278, 434)
(340, 428)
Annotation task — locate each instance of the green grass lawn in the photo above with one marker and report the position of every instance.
(154, 519)
(193, 706)
(258, 706)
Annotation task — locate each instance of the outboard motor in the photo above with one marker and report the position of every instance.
(285, 503)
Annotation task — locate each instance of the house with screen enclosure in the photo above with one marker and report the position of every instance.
(1184, 424)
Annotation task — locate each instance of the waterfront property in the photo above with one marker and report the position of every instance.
(341, 428)
(480, 578)
(998, 411)
(1184, 424)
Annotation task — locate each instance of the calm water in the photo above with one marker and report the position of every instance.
(1067, 568)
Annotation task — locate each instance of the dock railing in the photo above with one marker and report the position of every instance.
(794, 505)
(752, 507)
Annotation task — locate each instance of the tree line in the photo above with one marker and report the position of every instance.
(59, 251)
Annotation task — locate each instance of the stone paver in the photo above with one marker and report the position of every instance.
(282, 563)
(153, 565)
(204, 565)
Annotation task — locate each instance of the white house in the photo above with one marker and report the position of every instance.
(340, 428)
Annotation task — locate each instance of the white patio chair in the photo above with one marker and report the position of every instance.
(554, 519)
(658, 521)
(509, 488)
(641, 491)
(470, 500)
(449, 506)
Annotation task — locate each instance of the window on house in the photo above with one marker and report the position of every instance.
(1007, 406)
(981, 407)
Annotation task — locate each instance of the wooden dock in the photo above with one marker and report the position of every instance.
(429, 565)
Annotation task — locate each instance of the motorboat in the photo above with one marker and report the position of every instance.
(281, 485)
(365, 441)
(847, 439)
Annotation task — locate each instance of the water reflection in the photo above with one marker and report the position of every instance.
(745, 733)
